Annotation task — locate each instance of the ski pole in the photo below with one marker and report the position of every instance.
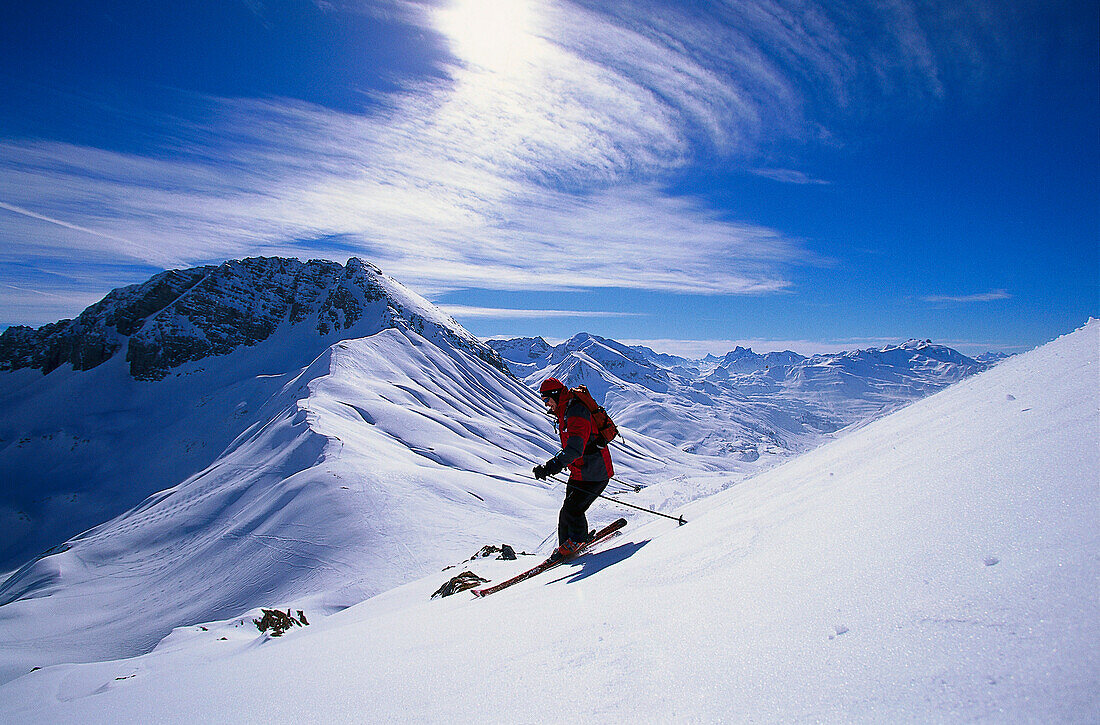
(633, 487)
(678, 519)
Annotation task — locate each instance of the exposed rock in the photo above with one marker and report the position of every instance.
(187, 315)
(100, 331)
(278, 622)
(460, 583)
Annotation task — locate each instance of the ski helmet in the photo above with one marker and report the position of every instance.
(551, 388)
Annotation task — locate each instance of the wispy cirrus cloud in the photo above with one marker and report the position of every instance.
(545, 145)
(34, 305)
(41, 293)
(991, 296)
(507, 313)
(788, 176)
(40, 217)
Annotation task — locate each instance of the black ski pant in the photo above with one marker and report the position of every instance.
(572, 523)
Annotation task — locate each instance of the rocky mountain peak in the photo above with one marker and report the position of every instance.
(186, 315)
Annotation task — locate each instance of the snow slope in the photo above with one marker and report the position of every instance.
(938, 564)
(148, 386)
(372, 462)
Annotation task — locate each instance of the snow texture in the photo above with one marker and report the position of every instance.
(206, 350)
(299, 466)
(938, 564)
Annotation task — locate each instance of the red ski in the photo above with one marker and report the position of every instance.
(601, 535)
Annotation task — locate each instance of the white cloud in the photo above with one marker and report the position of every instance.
(434, 209)
(991, 296)
(465, 311)
(788, 176)
(62, 291)
(537, 163)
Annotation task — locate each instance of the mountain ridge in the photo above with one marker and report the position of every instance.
(743, 404)
(182, 316)
(82, 441)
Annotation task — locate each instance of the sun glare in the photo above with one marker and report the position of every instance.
(496, 35)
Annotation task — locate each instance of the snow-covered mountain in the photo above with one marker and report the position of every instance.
(992, 358)
(141, 390)
(936, 565)
(186, 315)
(272, 432)
(353, 439)
(744, 404)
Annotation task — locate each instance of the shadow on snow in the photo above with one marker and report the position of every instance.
(589, 564)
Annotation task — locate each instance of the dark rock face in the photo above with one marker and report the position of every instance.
(98, 333)
(241, 302)
(186, 315)
(20, 345)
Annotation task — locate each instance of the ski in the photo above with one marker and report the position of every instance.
(601, 535)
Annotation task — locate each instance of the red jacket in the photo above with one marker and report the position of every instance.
(579, 452)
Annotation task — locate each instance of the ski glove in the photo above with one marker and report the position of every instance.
(550, 468)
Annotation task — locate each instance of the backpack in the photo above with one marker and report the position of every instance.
(605, 427)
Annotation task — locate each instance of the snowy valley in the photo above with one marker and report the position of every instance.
(317, 437)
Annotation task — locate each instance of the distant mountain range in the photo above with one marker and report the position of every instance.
(743, 404)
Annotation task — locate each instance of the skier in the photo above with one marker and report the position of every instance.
(589, 464)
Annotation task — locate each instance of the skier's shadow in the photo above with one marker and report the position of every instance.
(589, 564)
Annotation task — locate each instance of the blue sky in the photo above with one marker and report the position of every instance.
(689, 175)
